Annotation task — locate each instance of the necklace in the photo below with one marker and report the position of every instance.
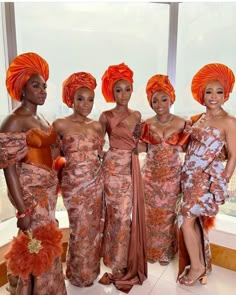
(207, 117)
(166, 122)
(27, 109)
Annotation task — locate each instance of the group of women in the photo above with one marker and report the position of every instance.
(117, 211)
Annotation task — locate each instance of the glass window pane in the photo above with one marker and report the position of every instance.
(4, 109)
(205, 35)
(6, 208)
(91, 36)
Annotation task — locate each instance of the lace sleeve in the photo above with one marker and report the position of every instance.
(12, 148)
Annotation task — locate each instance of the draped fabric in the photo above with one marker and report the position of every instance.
(21, 69)
(39, 187)
(82, 188)
(124, 233)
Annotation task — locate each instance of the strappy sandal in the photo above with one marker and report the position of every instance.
(187, 282)
(164, 261)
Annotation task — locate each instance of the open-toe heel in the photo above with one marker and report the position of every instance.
(188, 282)
(203, 279)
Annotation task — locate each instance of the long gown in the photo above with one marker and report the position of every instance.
(39, 185)
(203, 186)
(124, 234)
(161, 177)
(82, 187)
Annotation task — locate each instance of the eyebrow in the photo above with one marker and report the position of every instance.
(35, 81)
(211, 88)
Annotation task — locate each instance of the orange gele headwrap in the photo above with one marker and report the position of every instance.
(113, 74)
(160, 83)
(209, 73)
(75, 81)
(21, 69)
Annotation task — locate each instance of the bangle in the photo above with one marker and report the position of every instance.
(227, 179)
(27, 212)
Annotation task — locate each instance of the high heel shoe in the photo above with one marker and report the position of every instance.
(187, 282)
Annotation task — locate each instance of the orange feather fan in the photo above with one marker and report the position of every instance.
(34, 252)
(208, 222)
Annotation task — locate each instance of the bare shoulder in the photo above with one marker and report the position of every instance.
(230, 121)
(98, 127)
(97, 124)
(103, 116)
(12, 123)
(60, 123)
(137, 114)
(179, 121)
(150, 120)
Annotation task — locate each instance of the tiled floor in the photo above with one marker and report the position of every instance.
(161, 281)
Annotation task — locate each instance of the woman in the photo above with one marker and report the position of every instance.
(81, 140)
(163, 134)
(124, 234)
(30, 178)
(204, 178)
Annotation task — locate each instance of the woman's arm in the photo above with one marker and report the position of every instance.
(103, 122)
(55, 148)
(15, 191)
(230, 132)
(12, 124)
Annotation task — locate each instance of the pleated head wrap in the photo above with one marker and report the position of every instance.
(212, 72)
(113, 74)
(75, 81)
(160, 83)
(21, 69)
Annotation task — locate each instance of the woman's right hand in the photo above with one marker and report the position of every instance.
(137, 131)
(24, 223)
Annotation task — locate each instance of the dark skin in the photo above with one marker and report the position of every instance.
(79, 123)
(163, 124)
(122, 91)
(22, 119)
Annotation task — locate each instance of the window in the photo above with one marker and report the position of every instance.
(205, 35)
(6, 209)
(89, 37)
(4, 99)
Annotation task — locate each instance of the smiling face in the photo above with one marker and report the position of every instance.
(161, 103)
(83, 101)
(214, 95)
(34, 90)
(122, 91)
